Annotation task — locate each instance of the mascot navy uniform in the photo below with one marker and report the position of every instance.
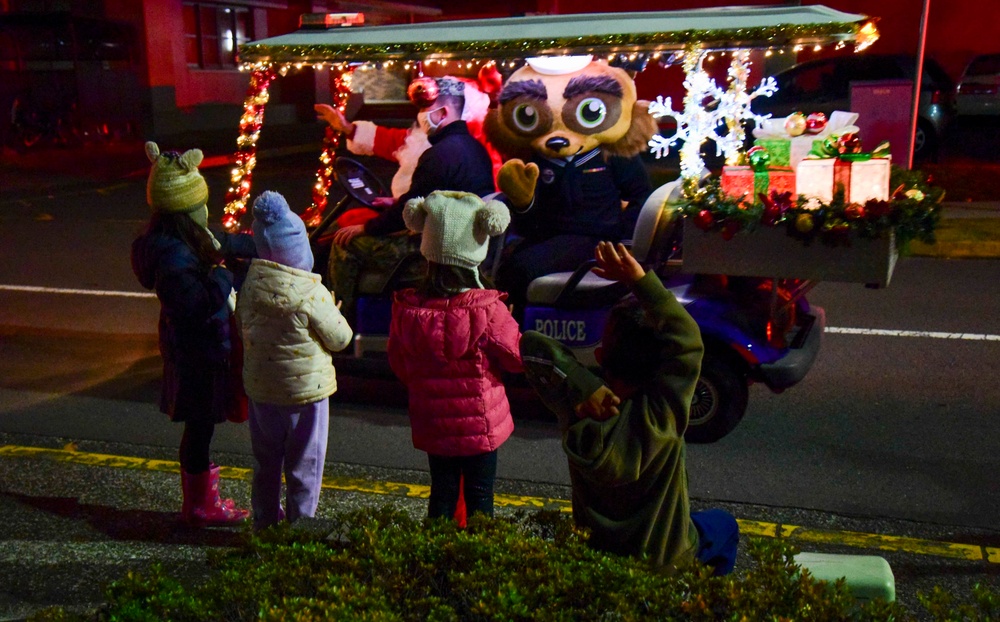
(582, 128)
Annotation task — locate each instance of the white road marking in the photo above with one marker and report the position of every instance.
(79, 292)
(874, 332)
(878, 332)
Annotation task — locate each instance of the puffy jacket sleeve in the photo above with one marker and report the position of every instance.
(504, 338)
(326, 321)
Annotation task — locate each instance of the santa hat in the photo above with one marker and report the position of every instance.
(175, 186)
(279, 233)
(456, 226)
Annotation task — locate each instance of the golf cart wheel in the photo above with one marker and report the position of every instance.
(720, 400)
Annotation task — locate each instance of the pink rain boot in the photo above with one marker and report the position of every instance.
(202, 502)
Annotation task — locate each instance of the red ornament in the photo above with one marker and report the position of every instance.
(704, 220)
(423, 91)
(854, 211)
(815, 123)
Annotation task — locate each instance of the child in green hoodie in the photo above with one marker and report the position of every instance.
(623, 433)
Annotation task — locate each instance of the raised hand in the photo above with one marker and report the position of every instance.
(616, 263)
(334, 118)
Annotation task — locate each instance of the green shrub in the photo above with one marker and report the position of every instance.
(381, 565)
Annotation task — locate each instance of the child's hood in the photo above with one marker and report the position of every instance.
(445, 328)
(278, 288)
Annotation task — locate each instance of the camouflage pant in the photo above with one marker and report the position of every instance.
(368, 263)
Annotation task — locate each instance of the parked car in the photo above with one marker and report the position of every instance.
(979, 87)
(824, 85)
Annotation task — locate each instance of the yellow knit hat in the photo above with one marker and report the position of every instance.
(175, 186)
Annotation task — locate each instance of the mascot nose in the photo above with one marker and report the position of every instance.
(557, 143)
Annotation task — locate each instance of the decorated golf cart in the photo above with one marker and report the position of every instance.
(755, 238)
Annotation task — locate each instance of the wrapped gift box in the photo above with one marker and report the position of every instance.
(787, 151)
(770, 252)
(739, 181)
(862, 180)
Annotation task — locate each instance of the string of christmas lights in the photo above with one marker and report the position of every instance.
(761, 37)
(246, 147)
(331, 140)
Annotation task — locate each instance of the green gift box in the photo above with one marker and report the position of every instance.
(787, 151)
(780, 150)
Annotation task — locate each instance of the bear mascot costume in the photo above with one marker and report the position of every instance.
(581, 128)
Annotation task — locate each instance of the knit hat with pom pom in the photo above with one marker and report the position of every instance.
(175, 186)
(456, 226)
(279, 233)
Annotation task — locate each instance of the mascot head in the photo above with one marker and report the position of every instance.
(562, 109)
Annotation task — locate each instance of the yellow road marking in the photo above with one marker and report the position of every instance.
(952, 550)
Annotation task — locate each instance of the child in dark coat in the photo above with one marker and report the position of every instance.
(179, 258)
(624, 433)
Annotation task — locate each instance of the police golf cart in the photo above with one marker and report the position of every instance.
(750, 303)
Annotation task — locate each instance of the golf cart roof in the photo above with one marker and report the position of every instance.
(588, 33)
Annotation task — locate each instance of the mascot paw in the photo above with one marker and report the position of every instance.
(517, 181)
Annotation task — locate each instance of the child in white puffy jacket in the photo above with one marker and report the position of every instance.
(289, 323)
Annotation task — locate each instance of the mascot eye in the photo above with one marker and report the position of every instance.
(591, 112)
(526, 117)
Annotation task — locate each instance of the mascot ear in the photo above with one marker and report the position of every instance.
(414, 214)
(640, 131)
(491, 219)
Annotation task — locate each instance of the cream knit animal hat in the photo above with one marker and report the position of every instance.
(456, 226)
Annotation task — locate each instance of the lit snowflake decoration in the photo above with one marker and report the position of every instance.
(709, 112)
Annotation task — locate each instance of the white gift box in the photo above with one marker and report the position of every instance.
(862, 180)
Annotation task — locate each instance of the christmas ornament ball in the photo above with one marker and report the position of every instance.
(704, 219)
(795, 124)
(815, 123)
(804, 223)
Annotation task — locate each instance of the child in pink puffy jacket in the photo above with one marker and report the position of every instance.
(450, 341)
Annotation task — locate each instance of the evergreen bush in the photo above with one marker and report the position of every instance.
(381, 565)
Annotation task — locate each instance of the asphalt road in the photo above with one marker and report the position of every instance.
(891, 433)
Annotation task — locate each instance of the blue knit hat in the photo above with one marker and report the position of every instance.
(280, 235)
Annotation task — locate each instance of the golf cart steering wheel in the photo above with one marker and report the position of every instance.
(357, 181)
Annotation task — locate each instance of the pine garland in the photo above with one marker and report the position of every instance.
(913, 212)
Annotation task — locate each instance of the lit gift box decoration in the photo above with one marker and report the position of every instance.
(790, 139)
(864, 176)
(748, 182)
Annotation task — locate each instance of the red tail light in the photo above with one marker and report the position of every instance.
(935, 97)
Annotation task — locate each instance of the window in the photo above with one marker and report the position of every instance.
(213, 32)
